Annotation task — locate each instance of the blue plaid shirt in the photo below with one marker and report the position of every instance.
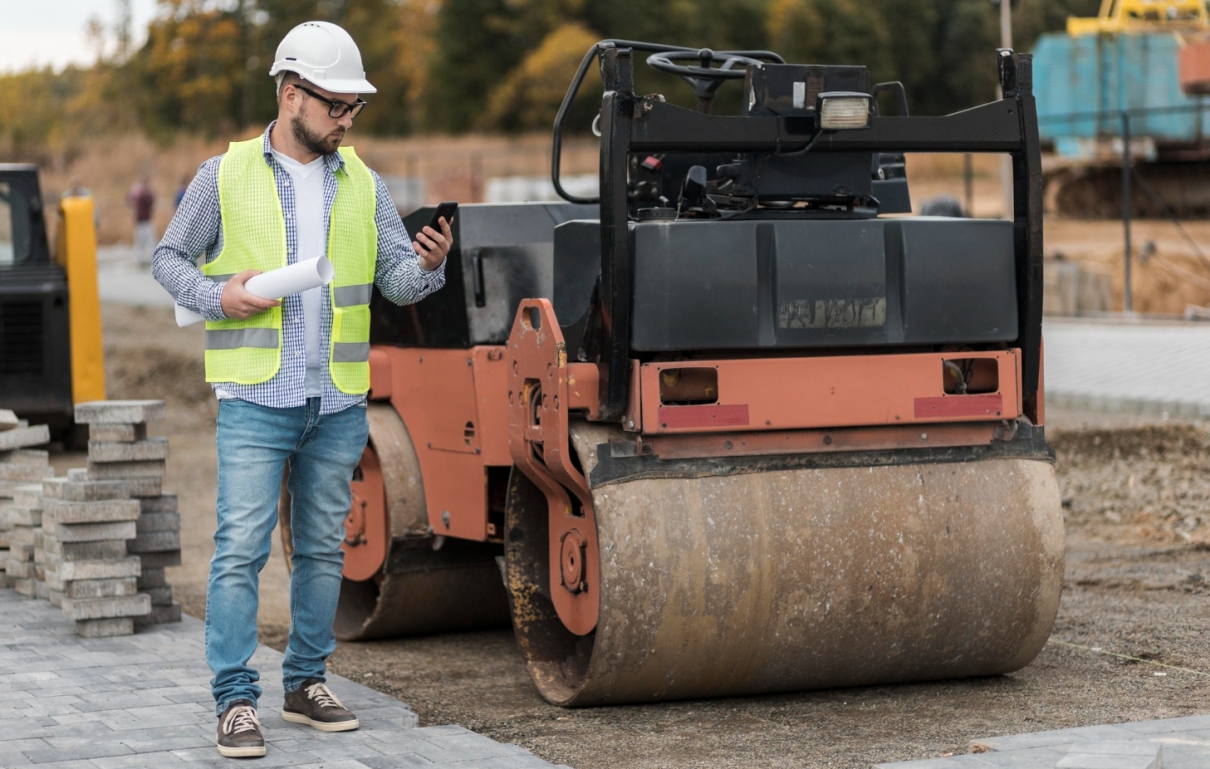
(197, 228)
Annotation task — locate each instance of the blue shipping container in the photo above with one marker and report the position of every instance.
(1082, 84)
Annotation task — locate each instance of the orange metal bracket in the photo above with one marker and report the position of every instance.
(539, 403)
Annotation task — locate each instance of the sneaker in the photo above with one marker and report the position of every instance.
(239, 731)
(315, 704)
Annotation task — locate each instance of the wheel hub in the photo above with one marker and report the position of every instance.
(571, 561)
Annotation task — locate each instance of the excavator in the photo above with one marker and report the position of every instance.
(736, 425)
(50, 313)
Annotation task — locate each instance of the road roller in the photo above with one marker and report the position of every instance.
(738, 425)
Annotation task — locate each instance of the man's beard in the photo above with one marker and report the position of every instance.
(320, 145)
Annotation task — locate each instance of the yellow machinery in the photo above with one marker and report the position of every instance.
(51, 355)
(1117, 16)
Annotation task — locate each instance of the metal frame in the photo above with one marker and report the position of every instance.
(630, 123)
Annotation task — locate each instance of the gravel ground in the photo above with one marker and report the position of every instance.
(1135, 501)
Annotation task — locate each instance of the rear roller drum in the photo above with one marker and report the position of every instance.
(717, 584)
(398, 578)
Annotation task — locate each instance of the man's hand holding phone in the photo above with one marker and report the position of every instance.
(434, 241)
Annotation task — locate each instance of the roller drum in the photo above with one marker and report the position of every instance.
(800, 579)
(426, 584)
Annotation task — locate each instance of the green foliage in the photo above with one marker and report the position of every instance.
(460, 65)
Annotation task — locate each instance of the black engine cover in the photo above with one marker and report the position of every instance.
(711, 285)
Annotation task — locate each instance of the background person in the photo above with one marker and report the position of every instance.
(142, 202)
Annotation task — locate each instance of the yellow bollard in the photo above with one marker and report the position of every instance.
(76, 250)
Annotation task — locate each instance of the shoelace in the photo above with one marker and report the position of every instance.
(323, 696)
(242, 719)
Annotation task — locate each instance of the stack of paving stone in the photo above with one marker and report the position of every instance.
(20, 466)
(87, 571)
(119, 450)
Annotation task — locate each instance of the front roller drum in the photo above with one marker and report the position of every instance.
(793, 579)
(398, 579)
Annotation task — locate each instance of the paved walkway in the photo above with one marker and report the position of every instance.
(1185, 743)
(1141, 367)
(144, 701)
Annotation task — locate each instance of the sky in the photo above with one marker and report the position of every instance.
(35, 33)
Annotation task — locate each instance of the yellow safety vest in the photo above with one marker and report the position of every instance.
(254, 238)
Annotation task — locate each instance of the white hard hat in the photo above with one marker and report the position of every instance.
(324, 54)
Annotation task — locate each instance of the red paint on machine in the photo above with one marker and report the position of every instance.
(960, 406)
(703, 416)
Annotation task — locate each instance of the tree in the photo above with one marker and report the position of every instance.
(531, 94)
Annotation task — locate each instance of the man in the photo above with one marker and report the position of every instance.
(142, 201)
(291, 376)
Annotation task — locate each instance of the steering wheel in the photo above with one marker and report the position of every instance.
(704, 78)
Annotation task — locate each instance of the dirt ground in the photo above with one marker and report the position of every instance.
(1135, 499)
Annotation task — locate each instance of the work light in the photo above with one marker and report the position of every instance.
(843, 110)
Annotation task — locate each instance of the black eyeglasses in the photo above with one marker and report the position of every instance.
(336, 109)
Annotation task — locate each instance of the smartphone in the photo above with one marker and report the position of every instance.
(444, 211)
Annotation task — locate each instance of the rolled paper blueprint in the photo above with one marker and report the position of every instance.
(275, 284)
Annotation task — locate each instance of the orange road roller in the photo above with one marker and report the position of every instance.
(732, 426)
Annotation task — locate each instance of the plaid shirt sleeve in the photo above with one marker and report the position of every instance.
(194, 230)
(399, 275)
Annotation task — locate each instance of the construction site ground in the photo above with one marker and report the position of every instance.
(1136, 492)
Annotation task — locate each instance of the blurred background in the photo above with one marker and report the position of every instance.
(103, 93)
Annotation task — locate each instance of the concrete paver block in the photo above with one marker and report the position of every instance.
(28, 496)
(155, 542)
(23, 516)
(95, 512)
(160, 596)
(105, 628)
(101, 588)
(129, 412)
(121, 433)
(110, 471)
(23, 437)
(26, 456)
(88, 551)
(125, 567)
(77, 487)
(94, 532)
(104, 608)
(10, 471)
(147, 449)
(160, 560)
(164, 503)
(152, 577)
(154, 522)
(160, 615)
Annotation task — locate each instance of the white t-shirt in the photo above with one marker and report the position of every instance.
(309, 208)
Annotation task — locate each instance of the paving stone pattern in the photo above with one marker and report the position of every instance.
(1145, 367)
(143, 702)
(1183, 742)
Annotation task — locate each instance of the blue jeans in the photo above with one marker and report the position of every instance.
(254, 445)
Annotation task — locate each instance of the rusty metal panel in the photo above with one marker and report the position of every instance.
(434, 392)
(491, 403)
(834, 391)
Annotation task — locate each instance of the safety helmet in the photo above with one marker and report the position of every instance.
(324, 54)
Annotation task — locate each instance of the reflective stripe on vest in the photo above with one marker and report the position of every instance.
(254, 237)
(346, 296)
(230, 339)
